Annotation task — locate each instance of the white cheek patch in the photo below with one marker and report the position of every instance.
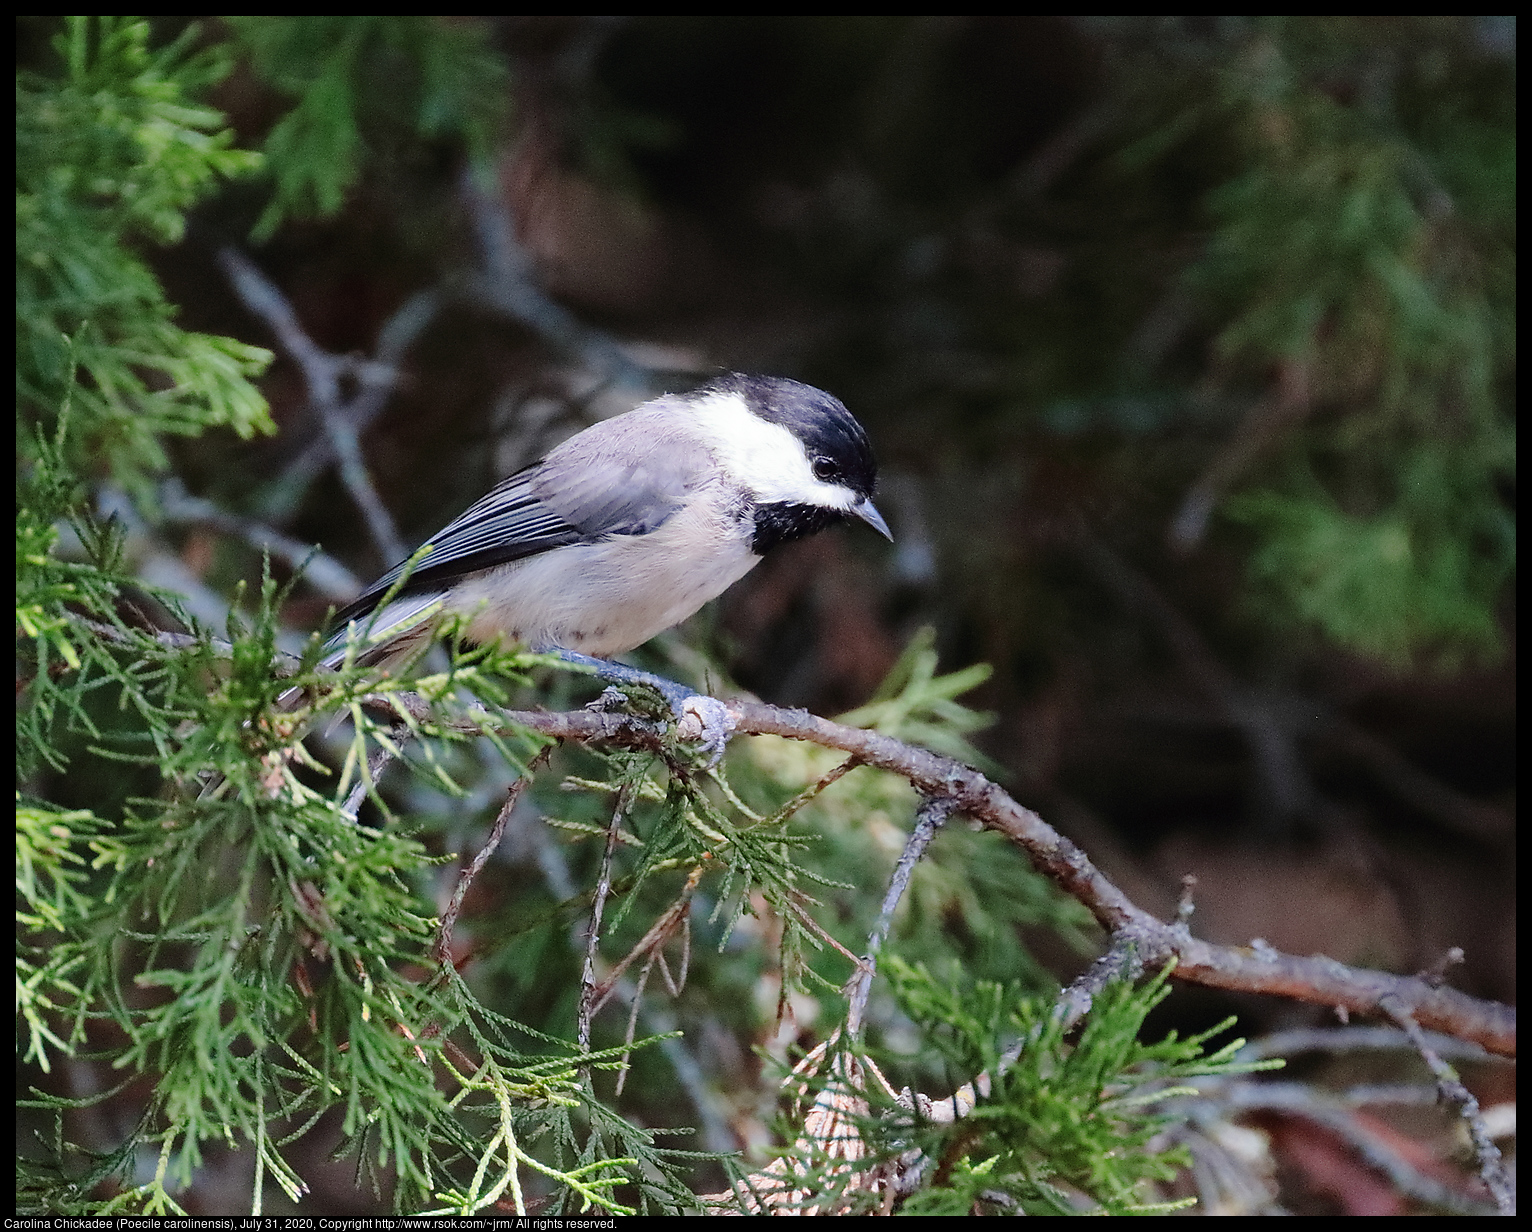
(764, 457)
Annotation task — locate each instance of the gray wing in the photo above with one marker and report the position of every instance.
(624, 476)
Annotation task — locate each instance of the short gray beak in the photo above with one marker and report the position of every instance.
(864, 510)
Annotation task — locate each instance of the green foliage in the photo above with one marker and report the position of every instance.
(915, 705)
(251, 942)
(109, 152)
(53, 880)
(1236, 260)
(1351, 277)
(1365, 251)
(1068, 1126)
(971, 896)
(1392, 585)
(360, 82)
(236, 936)
(970, 900)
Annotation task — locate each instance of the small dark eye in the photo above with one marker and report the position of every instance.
(825, 470)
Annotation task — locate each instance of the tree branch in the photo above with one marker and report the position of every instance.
(1253, 968)
(322, 374)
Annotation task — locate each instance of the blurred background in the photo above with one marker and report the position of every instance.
(1186, 346)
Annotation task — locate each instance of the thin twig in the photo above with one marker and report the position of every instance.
(603, 888)
(1290, 1096)
(717, 1135)
(1188, 904)
(1355, 1039)
(507, 284)
(1121, 962)
(353, 473)
(1286, 406)
(320, 570)
(651, 942)
(377, 760)
(443, 948)
(1379, 1153)
(833, 775)
(1043, 167)
(1424, 792)
(322, 374)
(1491, 1166)
(632, 1028)
(284, 664)
(1286, 787)
(399, 332)
(795, 904)
(1272, 729)
(930, 818)
(1336, 1113)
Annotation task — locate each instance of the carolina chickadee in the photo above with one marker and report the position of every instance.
(630, 526)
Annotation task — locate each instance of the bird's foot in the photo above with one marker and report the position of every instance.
(703, 719)
(707, 721)
(612, 698)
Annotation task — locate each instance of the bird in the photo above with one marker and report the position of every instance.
(626, 529)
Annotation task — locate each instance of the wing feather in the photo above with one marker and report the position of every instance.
(510, 522)
(623, 476)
